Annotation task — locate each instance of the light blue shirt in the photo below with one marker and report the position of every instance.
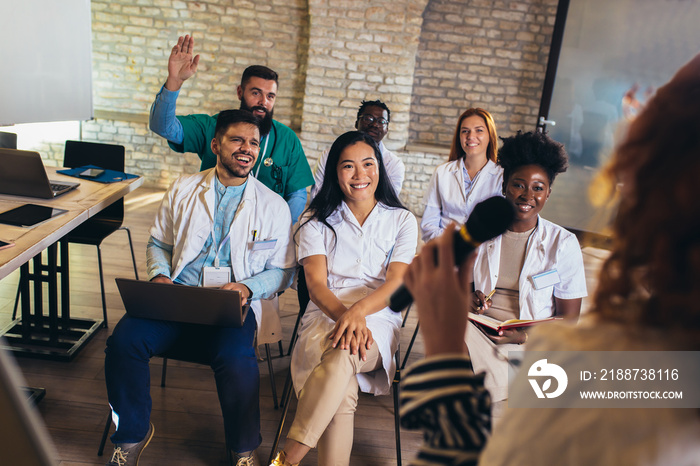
(163, 122)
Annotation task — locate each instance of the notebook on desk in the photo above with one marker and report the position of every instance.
(22, 173)
(180, 303)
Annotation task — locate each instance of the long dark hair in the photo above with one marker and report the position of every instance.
(330, 195)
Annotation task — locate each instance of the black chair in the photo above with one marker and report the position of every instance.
(8, 140)
(107, 221)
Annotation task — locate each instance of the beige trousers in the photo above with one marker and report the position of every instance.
(327, 402)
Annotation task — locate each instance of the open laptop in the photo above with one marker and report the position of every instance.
(22, 173)
(180, 303)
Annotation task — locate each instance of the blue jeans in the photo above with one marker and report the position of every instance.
(229, 351)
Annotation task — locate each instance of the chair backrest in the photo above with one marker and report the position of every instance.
(8, 140)
(79, 153)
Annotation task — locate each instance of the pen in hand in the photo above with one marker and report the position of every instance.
(486, 298)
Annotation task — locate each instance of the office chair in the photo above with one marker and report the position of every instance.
(8, 140)
(107, 221)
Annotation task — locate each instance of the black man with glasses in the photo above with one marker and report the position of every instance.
(372, 119)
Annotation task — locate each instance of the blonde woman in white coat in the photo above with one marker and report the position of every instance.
(469, 177)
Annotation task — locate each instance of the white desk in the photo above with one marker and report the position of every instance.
(53, 336)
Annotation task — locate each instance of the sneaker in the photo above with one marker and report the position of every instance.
(130, 456)
(251, 460)
(281, 460)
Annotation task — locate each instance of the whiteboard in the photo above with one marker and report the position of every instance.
(46, 57)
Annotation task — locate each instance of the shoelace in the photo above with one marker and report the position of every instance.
(245, 461)
(119, 457)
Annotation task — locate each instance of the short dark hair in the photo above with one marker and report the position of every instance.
(231, 117)
(258, 71)
(373, 103)
(532, 148)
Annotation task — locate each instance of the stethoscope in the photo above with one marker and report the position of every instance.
(268, 162)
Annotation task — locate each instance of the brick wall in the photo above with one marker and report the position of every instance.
(480, 53)
(330, 55)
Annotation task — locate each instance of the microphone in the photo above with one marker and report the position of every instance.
(489, 219)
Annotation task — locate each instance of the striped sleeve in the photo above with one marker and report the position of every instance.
(443, 397)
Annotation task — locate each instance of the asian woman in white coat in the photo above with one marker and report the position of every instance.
(469, 177)
(535, 269)
(355, 242)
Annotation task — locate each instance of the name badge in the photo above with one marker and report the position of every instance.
(264, 245)
(545, 279)
(216, 277)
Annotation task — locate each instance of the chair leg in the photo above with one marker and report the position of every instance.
(279, 345)
(397, 420)
(285, 403)
(131, 247)
(272, 375)
(105, 433)
(102, 288)
(410, 346)
(405, 316)
(162, 374)
(287, 387)
(294, 333)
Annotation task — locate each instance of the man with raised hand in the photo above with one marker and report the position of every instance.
(281, 165)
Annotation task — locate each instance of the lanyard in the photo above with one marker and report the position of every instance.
(262, 156)
(221, 246)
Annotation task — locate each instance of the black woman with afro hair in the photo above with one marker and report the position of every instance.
(533, 271)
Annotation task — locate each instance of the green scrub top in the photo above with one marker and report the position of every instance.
(289, 171)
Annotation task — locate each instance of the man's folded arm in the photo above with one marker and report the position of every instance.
(158, 258)
(268, 282)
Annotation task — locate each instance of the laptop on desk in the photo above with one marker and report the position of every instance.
(22, 173)
(180, 303)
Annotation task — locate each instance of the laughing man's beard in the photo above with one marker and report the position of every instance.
(265, 122)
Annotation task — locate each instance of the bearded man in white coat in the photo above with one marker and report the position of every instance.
(223, 228)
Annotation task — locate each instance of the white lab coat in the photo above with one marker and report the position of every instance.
(394, 166)
(357, 266)
(550, 247)
(446, 201)
(185, 220)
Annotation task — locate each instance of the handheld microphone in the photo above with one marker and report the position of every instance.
(489, 219)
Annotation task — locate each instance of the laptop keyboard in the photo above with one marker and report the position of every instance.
(59, 187)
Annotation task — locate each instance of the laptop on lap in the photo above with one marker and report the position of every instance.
(180, 303)
(22, 173)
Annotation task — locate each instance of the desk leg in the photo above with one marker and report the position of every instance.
(52, 280)
(36, 277)
(65, 284)
(24, 300)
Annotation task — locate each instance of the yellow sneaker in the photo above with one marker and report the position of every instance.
(281, 460)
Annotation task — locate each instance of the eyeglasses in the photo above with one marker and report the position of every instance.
(277, 176)
(369, 119)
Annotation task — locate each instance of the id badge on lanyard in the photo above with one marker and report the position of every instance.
(216, 277)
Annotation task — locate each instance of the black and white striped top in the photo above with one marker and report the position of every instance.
(443, 397)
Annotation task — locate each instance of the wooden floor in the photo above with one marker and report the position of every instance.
(186, 415)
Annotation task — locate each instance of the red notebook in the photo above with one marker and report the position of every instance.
(497, 325)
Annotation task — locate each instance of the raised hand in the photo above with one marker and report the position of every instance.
(181, 64)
